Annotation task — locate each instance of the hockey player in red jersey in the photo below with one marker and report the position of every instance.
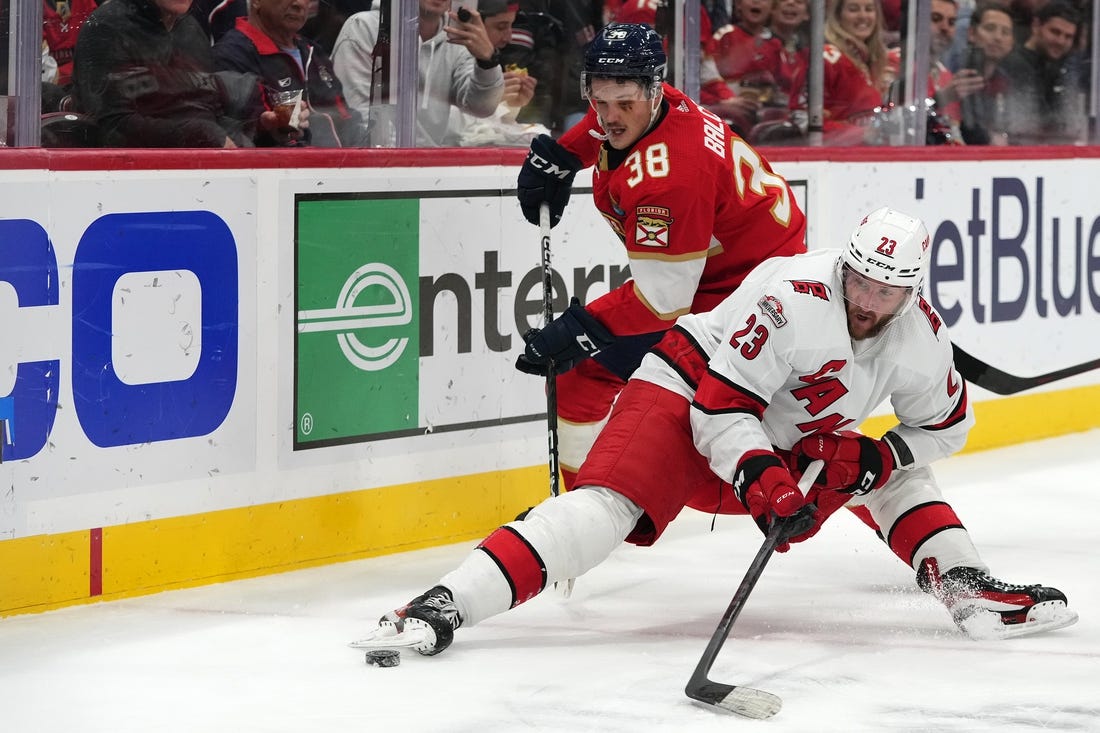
(694, 205)
(731, 405)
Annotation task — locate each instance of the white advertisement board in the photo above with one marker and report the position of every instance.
(180, 342)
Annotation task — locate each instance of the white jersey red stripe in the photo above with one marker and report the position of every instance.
(811, 377)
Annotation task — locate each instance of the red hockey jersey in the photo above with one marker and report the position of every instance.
(696, 208)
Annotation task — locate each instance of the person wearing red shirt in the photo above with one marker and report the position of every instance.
(61, 23)
(856, 69)
(747, 48)
(789, 22)
(695, 206)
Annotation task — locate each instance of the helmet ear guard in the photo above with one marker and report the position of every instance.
(628, 51)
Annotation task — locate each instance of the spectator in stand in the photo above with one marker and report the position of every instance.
(891, 22)
(747, 46)
(984, 113)
(519, 89)
(856, 70)
(747, 57)
(955, 57)
(736, 110)
(548, 39)
(536, 45)
(789, 22)
(458, 65)
(268, 44)
(324, 25)
(61, 24)
(218, 16)
(1046, 101)
(144, 71)
(739, 112)
(946, 88)
(1023, 12)
(654, 13)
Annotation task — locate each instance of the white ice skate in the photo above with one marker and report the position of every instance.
(425, 624)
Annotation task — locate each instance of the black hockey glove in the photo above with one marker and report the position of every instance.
(567, 340)
(546, 177)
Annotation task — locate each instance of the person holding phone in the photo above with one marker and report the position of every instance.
(457, 65)
(990, 40)
(503, 127)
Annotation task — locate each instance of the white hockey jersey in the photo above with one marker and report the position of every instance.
(774, 363)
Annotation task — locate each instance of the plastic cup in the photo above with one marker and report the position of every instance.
(287, 107)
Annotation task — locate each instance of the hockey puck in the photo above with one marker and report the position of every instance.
(384, 657)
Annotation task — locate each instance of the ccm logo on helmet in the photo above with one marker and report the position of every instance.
(605, 60)
(880, 263)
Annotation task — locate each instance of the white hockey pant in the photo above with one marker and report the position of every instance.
(561, 538)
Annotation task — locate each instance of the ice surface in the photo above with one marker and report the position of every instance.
(836, 627)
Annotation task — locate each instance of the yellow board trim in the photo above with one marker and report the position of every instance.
(44, 572)
(52, 571)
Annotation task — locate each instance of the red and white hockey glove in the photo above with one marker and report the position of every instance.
(765, 487)
(854, 463)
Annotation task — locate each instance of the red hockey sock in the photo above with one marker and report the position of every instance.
(518, 561)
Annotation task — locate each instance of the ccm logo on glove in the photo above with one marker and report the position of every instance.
(854, 463)
(570, 338)
(764, 486)
(546, 178)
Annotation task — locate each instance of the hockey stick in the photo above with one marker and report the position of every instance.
(551, 377)
(747, 701)
(565, 588)
(980, 374)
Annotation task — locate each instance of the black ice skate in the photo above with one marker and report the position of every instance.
(426, 624)
(987, 608)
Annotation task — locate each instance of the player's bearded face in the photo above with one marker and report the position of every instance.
(624, 110)
(869, 304)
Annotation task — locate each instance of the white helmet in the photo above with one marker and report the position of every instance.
(889, 247)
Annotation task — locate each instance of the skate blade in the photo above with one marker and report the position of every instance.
(1043, 617)
(388, 637)
(564, 588)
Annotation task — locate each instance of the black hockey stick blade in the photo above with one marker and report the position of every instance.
(747, 701)
(988, 377)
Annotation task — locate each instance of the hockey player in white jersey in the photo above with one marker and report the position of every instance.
(729, 407)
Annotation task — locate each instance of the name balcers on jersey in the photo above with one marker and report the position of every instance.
(774, 363)
(696, 208)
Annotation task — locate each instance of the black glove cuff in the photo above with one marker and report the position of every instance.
(598, 334)
(749, 470)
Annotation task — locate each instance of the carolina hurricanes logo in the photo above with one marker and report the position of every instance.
(811, 287)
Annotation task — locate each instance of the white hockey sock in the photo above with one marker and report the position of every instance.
(911, 513)
(563, 537)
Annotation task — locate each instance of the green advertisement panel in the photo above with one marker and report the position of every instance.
(357, 340)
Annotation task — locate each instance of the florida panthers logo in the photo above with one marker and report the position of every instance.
(652, 227)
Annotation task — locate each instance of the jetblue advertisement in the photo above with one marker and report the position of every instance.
(184, 341)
